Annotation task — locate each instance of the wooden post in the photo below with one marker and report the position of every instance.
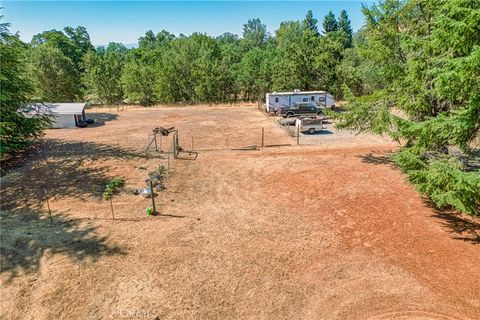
(111, 207)
(153, 198)
(175, 149)
(168, 165)
(298, 135)
(48, 206)
(161, 143)
(174, 142)
(263, 136)
(155, 138)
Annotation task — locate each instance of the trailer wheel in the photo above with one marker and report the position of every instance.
(289, 114)
(311, 130)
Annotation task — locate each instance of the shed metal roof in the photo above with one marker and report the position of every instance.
(57, 108)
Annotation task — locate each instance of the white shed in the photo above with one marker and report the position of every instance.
(66, 115)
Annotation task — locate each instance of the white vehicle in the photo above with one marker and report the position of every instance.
(277, 100)
(310, 125)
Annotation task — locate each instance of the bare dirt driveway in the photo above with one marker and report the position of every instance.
(328, 230)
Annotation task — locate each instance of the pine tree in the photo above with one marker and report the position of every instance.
(344, 25)
(310, 22)
(429, 56)
(16, 130)
(330, 23)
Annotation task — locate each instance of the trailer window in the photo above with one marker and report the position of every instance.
(312, 98)
(305, 99)
(276, 99)
(321, 99)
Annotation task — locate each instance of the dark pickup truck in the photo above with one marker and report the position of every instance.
(300, 109)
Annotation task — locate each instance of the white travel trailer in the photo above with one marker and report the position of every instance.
(277, 100)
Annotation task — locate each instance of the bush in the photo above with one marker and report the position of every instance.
(112, 187)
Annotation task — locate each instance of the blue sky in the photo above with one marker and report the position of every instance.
(126, 21)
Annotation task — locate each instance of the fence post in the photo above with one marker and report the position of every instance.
(175, 151)
(153, 198)
(48, 206)
(168, 165)
(111, 207)
(298, 135)
(263, 136)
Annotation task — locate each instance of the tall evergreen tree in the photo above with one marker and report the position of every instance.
(310, 22)
(329, 23)
(344, 25)
(16, 130)
(429, 57)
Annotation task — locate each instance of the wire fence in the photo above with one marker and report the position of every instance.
(74, 169)
(71, 176)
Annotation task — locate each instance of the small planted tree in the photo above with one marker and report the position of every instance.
(111, 188)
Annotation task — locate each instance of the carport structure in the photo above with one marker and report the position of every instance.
(65, 115)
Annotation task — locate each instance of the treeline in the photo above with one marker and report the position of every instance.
(65, 66)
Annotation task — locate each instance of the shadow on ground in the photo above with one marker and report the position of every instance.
(102, 116)
(378, 158)
(318, 133)
(70, 148)
(462, 227)
(57, 171)
(29, 236)
(26, 232)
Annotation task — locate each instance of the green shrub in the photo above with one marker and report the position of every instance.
(112, 187)
(443, 181)
(149, 211)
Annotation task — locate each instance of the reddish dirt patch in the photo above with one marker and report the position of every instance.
(314, 232)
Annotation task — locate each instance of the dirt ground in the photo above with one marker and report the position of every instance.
(328, 229)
